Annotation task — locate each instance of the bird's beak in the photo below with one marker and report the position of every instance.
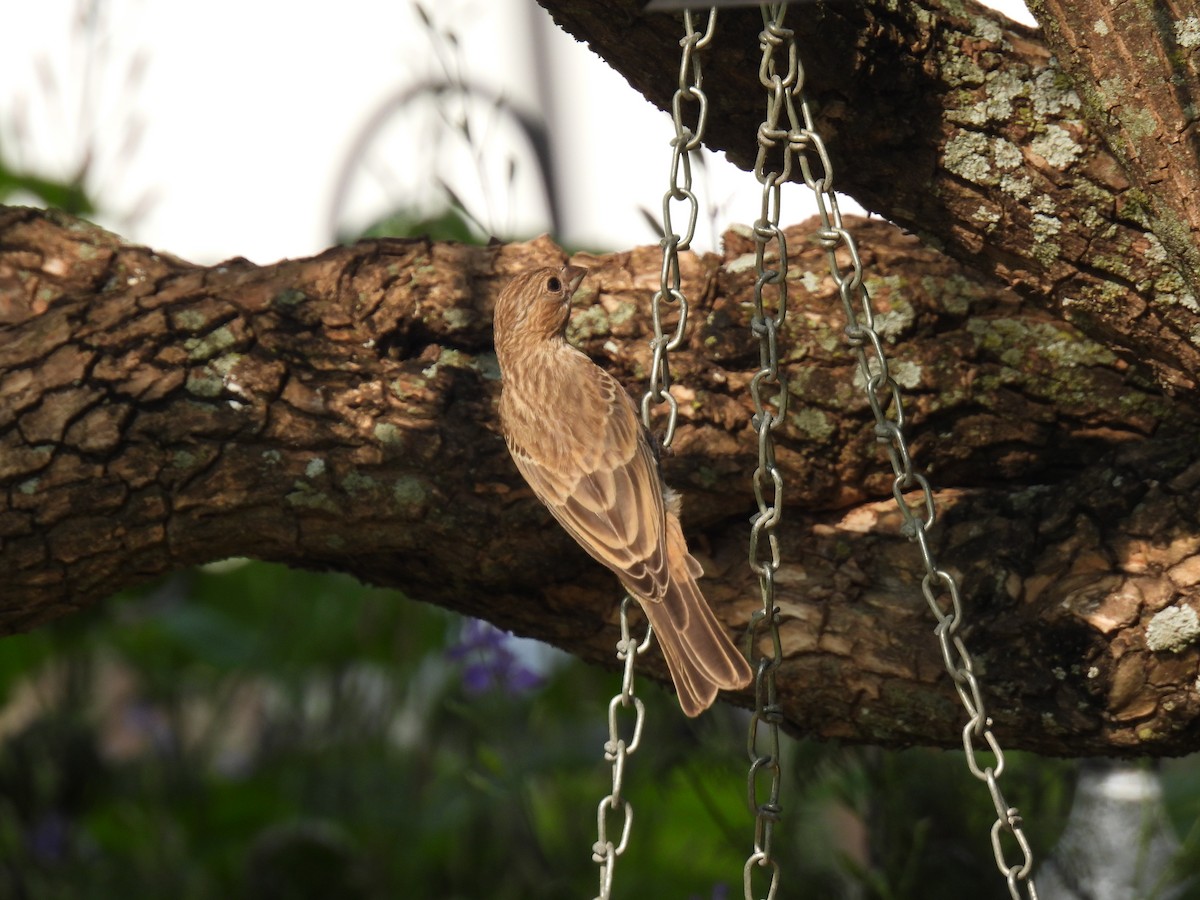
(572, 276)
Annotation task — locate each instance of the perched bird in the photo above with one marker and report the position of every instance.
(576, 437)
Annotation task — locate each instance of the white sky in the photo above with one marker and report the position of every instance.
(247, 111)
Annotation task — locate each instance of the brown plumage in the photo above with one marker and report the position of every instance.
(576, 437)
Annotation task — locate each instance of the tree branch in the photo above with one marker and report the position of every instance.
(958, 124)
(339, 412)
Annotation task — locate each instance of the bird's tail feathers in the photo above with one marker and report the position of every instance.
(700, 656)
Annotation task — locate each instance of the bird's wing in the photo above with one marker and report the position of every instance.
(597, 474)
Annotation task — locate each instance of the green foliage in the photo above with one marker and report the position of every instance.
(1181, 795)
(70, 196)
(930, 819)
(452, 224)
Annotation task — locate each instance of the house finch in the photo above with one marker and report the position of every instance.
(575, 435)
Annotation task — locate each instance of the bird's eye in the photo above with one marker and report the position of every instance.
(553, 285)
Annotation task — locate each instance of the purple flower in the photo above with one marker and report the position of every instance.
(490, 661)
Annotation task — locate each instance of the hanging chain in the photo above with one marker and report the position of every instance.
(679, 190)
(616, 750)
(686, 141)
(769, 391)
(939, 587)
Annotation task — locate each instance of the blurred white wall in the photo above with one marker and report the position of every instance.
(218, 129)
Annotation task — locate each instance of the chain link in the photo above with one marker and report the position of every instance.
(685, 142)
(617, 750)
(769, 392)
(678, 198)
(939, 587)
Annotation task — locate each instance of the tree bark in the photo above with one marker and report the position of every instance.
(339, 413)
(1063, 162)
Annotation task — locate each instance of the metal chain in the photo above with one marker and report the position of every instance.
(686, 141)
(769, 391)
(940, 588)
(683, 145)
(616, 750)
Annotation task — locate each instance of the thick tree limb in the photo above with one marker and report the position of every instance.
(1137, 70)
(338, 412)
(1075, 186)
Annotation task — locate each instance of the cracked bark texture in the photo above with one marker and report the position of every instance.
(339, 412)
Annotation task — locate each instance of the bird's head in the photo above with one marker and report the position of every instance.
(536, 305)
